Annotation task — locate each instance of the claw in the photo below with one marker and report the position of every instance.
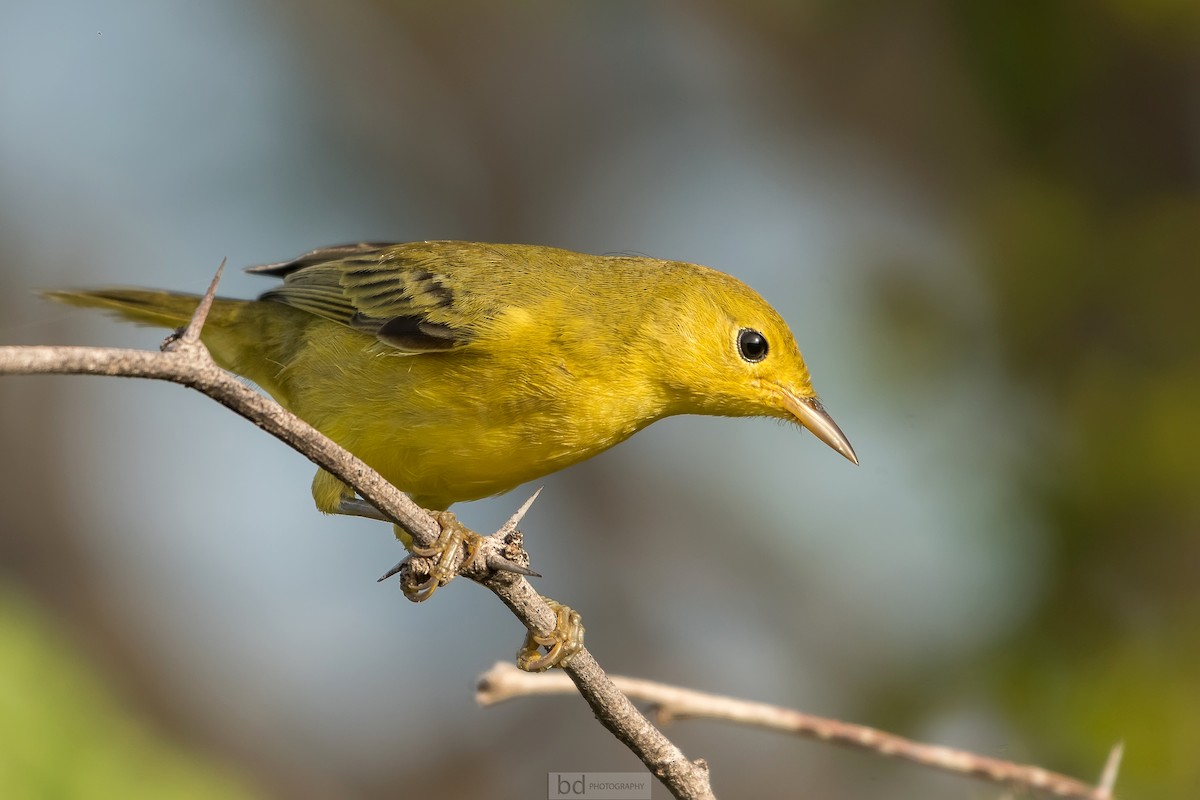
(562, 643)
(443, 553)
(424, 590)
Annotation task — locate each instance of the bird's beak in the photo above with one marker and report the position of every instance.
(811, 414)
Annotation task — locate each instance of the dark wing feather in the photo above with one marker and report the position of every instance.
(321, 255)
(404, 294)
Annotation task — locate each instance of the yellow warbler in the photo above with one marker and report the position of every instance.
(459, 370)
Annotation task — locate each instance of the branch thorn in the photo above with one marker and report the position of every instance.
(518, 515)
(191, 334)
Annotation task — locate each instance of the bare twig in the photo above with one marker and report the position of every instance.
(1108, 778)
(186, 361)
(505, 682)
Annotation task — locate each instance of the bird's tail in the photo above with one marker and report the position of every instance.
(143, 306)
(239, 339)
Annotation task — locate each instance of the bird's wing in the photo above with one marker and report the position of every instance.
(414, 297)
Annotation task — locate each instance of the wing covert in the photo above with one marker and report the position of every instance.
(412, 297)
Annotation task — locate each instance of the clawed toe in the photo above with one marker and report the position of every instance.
(562, 643)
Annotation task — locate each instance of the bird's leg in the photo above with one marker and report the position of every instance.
(357, 507)
(561, 644)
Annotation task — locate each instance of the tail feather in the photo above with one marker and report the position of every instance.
(244, 336)
(253, 338)
(143, 306)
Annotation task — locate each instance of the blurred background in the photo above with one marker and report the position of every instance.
(982, 221)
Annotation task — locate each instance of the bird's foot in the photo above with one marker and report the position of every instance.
(561, 644)
(443, 557)
(427, 568)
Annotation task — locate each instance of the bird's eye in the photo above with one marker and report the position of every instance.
(752, 345)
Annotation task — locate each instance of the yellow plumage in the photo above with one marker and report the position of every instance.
(460, 370)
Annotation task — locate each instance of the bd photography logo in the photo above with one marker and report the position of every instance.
(598, 786)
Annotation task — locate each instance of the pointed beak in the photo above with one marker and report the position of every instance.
(811, 414)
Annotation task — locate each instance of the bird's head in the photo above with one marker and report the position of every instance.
(728, 352)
